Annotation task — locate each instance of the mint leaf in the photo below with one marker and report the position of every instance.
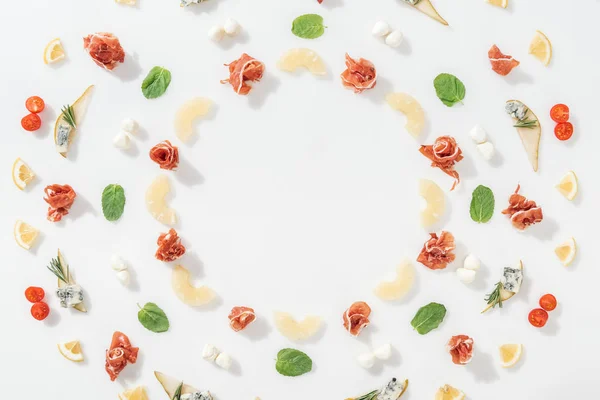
(449, 89)
(308, 26)
(153, 318)
(292, 362)
(482, 204)
(428, 318)
(113, 202)
(156, 83)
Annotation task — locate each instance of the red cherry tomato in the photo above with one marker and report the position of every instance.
(559, 113)
(563, 130)
(34, 294)
(40, 310)
(538, 317)
(35, 104)
(31, 122)
(548, 302)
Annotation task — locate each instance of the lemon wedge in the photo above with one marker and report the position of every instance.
(138, 393)
(541, 48)
(447, 392)
(190, 295)
(71, 351)
(156, 202)
(294, 330)
(22, 174)
(410, 107)
(399, 287)
(53, 52)
(568, 185)
(510, 354)
(499, 3)
(302, 58)
(25, 235)
(566, 251)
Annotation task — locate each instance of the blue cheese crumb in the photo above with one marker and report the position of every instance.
(62, 136)
(391, 391)
(204, 395)
(512, 279)
(516, 109)
(185, 3)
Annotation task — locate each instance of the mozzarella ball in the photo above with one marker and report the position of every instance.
(472, 262)
(129, 125)
(487, 150)
(466, 275)
(122, 141)
(124, 277)
(383, 352)
(231, 27)
(224, 361)
(394, 39)
(210, 352)
(366, 360)
(117, 263)
(478, 134)
(216, 33)
(380, 29)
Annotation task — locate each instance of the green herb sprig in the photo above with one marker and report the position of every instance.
(69, 115)
(369, 396)
(528, 124)
(57, 269)
(177, 395)
(495, 297)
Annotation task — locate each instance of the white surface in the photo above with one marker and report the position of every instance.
(301, 197)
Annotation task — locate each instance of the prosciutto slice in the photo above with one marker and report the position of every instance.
(60, 198)
(502, 64)
(356, 318)
(169, 246)
(241, 317)
(522, 212)
(105, 49)
(437, 252)
(359, 75)
(444, 153)
(244, 69)
(119, 354)
(165, 155)
(460, 348)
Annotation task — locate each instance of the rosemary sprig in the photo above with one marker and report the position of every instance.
(57, 269)
(528, 123)
(69, 115)
(369, 396)
(495, 298)
(177, 395)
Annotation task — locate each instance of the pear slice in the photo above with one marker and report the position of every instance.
(293, 59)
(530, 137)
(188, 113)
(399, 287)
(79, 108)
(294, 330)
(171, 384)
(427, 8)
(505, 294)
(190, 295)
(81, 306)
(406, 104)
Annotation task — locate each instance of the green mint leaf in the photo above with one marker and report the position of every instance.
(449, 89)
(482, 204)
(428, 318)
(153, 318)
(292, 362)
(113, 202)
(308, 26)
(156, 83)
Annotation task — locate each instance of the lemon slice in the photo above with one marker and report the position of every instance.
(436, 202)
(190, 295)
(399, 287)
(541, 48)
(53, 52)
(71, 351)
(447, 392)
(406, 104)
(126, 2)
(510, 354)
(499, 3)
(156, 202)
(294, 330)
(568, 185)
(138, 393)
(302, 58)
(187, 114)
(21, 174)
(566, 252)
(25, 235)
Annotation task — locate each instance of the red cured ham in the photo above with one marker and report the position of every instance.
(243, 70)
(460, 348)
(444, 153)
(523, 212)
(119, 354)
(60, 198)
(502, 64)
(169, 246)
(105, 49)
(241, 317)
(437, 252)
(359, 75)
(356, 317)
(165, 155)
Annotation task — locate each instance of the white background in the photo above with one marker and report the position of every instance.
(300, 197)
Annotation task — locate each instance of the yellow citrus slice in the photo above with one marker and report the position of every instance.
(21, 173)
(568, 185)
(294, 330)
(71, 351)
(25, 235)
(399, 287)
(79, 108)
(499, 3)
(187, 114)
(510, 354)
(137, 393)
(566, 252)
(127, 2)
(302, 58)
(436, 202)
(53, 52)
(156, 202)
(190, 295)
(447, 392)
(541, 48)
(406, 104)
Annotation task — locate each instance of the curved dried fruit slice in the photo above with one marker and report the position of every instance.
(25, 235)
(63, 131)
(298, 58)
(156, 201)
(530, 134)
(399, 287)
(427, 8)
(436, 202)
(187, 115)
(447, 392)
(410, 107)
(171, 384)
(190, 295)
(22, 174)
(294, 330)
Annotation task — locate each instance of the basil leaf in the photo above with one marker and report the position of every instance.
(156, 83)
(449, 89)
(292, 362)
(153, 318)
(113, 202)
(482, 204)
(428, 318)
(308, 26)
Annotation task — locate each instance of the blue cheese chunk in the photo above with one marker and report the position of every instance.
(392, 391)
(512, 279)
(204, 395)
(185, 3)
(62, 137)
(412, 2)
(516, 109)
(70, 295)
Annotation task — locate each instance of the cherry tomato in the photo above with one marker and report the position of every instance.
(34, 294)
(559, 113)
(35, 104)
(31, 122)
(548, 302)
(40, 310)
(563, 130)
(538, 317)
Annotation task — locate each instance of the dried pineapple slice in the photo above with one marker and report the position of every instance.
(293, 59)
(294, 330)
(406, 104)
(399, 287)
(187, 114)
(156, 201)
(436, 202)
(190, 295)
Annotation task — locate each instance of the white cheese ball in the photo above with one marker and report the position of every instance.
(394, 39)
(383, 352)
(122, 141)
(472, 262)
(124, 277)
(466, 275)
(117, 263)
(380, 29)
(210, 352)
(487, 150)
(478, 134)
(224, 361)
(366, 360)
(129, 125)
(231, 27)
(216, 33)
